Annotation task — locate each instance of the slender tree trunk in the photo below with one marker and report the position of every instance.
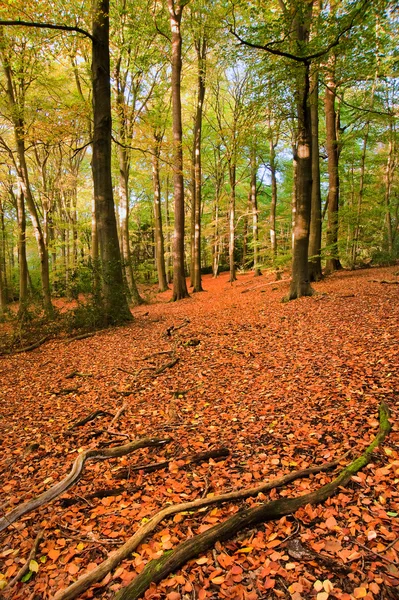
(273, 203)
(232, 210)
(201, 48)
(356, 233)
(3, 273)
(179, 279)
(315, 273)
(254, 206)
(23, 265)
(115, 307)
(389, 171)
(332, 263)
(159, 240)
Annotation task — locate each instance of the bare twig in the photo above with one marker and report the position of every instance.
(25, 568)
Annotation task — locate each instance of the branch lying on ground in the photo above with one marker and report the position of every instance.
(81, 336)
(169, 562)
(74, 475)
(168, 365)
(91, 417)
(32, 346)
(97, 574)
(25, 568)
(255, 287)
(191, 459)
(386, 281)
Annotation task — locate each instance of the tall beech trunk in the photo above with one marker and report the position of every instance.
(315, 272)
(179, 279)
(300, 284)
(159, 239)
(232, 211)
(254, 206)
(389, 173)
(115, 307)
(23, 265)
(360, 194)
(273, 203)
(3, 270)
(24, 184)
(332, 263)
(201, 48)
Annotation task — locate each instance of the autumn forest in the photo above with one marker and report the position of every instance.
(199, 275)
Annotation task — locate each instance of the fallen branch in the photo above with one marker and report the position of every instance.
(81, 336)
(25, 568)
(169, 562)
(168, 365)
(118, 414)
(91, 417)
(191, 459)
(74, 475)
(255, 287)
(386, 281)
(78, 374)
(97, 574)
(157, 354)
(32, 346)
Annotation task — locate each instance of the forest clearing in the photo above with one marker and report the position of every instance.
(264, 389)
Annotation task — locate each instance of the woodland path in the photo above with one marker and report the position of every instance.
(282, 386)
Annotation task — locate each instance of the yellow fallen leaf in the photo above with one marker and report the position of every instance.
(246, 550)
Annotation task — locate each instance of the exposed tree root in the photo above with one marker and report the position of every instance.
(169, 562)
(261, 285)
(25, 568)
(97, 574)
(91, 417)
(82, 336)
(32, 346)
(189, 458)
(386, 281)
(74, 475)
(168, 365)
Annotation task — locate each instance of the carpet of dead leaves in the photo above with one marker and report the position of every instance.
(282, 386)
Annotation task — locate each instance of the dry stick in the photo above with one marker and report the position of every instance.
(74, 476)
(168, 365)
(118, 414)
(91, 417)
(255, 287)
(190, 458)
(82, 336)
(25, 568)
(32, 346)
(169, 562)
(157, 354)
(97, 574)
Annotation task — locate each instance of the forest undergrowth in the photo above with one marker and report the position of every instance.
(263, 388)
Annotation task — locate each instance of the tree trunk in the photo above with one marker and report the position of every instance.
(232, 210)
(201, 47)
(315, 273)
(332, 263)
(159, 240)
(389, 172)
(254, 206)
(179, 279)
(23, 265)
(273, 203)
(114, 303)
(300, 284)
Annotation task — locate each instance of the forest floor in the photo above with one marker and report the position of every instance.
(282, 386)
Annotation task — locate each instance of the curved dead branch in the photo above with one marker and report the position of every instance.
(74, 475)
(169, 562)
(97, 574)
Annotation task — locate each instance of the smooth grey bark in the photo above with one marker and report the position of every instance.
(315, 271)
(115, 308)
(332, 262)
(159, 238)
(179, 280)
(254, 207)
(201, 49)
